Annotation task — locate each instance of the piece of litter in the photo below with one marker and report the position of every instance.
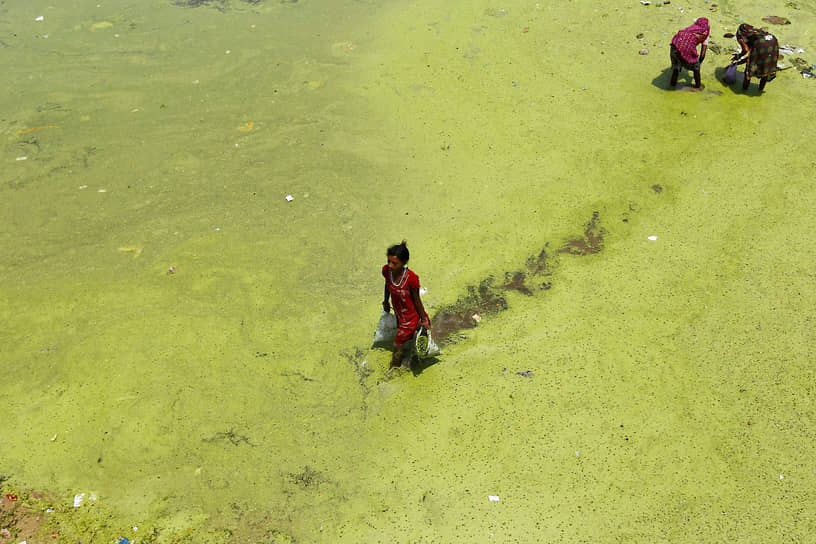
(652, 238)
(40, 18)
(577, 454)
(645, 2)
(476, 317)
(102, 191)
(422, 290)
(83, 187)
(289, 198)
(54, 437)
(781, 477)
(21, 158)
(78, 500)
(493, 498)
(135, 528)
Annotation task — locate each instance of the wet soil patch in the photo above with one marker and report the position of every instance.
(776, 20)
(517, 281)
(466, 312)
(23, 517)
(590, 243)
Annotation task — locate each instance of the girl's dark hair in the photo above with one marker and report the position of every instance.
(400, 251)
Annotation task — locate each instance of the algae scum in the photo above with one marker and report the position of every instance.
(197, 197)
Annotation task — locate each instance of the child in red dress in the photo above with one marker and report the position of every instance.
(402, 285)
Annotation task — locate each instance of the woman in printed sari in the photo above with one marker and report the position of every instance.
(763, 51)
(683, 50)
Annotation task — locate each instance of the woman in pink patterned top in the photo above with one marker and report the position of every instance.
(402, 286)
(684, 50)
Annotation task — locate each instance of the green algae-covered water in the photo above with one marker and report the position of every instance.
(196, 201)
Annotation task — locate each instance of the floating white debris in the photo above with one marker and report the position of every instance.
(476, 317)
(652, 238)
(577, 454)
(289, 198)
(781, 477)
(21, 158)
(493, 498)
(422, 290)
(40, 18)
(645, 2)
(54, 437)
(102, 191)
(83, 187)
(78, 500)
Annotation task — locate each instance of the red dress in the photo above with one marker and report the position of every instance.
(403, 303)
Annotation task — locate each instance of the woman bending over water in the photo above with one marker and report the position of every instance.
(763, 52)
(402, 285)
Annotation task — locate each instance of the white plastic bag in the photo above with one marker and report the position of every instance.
(386, 328)
(424, 343)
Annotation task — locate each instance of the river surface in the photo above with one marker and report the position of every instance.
(196, 198)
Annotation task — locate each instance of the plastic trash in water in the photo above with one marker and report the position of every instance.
(289, 198)
(652, 238)
(123, 540)
(79, 498)
(493, 498)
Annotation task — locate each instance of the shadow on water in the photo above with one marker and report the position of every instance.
(736, 87)
(419, 366)
(686, 80)
(662, 81)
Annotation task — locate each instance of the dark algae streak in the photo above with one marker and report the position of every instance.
(489, 299)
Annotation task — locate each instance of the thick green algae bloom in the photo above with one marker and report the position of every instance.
(192, 347)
